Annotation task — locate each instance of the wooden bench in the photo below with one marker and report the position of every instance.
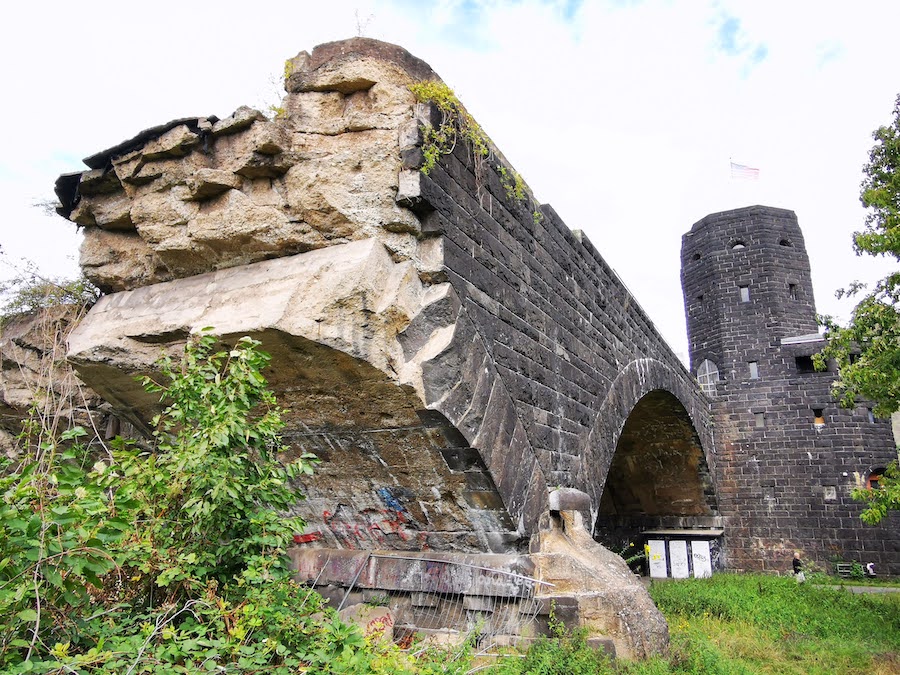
(843, 570)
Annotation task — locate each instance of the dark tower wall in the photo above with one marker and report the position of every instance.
(784, 477)
(759, 248)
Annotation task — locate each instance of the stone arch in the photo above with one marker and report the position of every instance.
(648, 392)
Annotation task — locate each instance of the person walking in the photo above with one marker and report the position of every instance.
(798, 568)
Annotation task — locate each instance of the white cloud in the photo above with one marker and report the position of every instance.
(623, 116)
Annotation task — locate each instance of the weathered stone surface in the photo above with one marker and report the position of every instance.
(375, 623)
(111, 258)
(332, 319)
(33, 374)
(611, 601)
(329, 164)
(784, 482)
(175, 142)
(239, 120)
(347, 66)
(207, 183)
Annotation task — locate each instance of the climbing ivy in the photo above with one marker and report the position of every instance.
(457, 123)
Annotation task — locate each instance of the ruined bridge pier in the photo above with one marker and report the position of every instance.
(448, 347)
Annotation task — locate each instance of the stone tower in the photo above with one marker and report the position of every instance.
(788, 456)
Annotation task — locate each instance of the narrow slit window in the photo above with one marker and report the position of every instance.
(871, 415)
(819, 417)
(792, 291)
(745, 293)
(753, 367)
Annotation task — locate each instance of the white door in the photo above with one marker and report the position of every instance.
(700, 558)
(678, 556)
(657, 559)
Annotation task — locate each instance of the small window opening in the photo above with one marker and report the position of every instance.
(785, 242)
(753, 366)
(792, 291)
(700, 298)
(871, 415)
(873, 482)
(805, 364)
(759, 420)
(745, 293)
(819, 417)
(696, 256)
(737, 245)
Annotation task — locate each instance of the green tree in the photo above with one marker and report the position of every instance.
(168, 557)
(867, 350)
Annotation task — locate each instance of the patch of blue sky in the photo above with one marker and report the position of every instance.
(570, 9)
(828, 52)
(458, 22)
(732, 40)
(461, 22)
(759, 54)
(728, 35)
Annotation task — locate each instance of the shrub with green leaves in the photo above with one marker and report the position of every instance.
(29, 292)
(169, 559)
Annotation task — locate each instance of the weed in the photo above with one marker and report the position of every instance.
(456, 122)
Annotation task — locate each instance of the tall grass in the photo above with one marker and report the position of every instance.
(748, 625)
(735, 624)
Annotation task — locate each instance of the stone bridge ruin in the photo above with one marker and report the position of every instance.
(487, 399)
(437, 317)
(476, 380)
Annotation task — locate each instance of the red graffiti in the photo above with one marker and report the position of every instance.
(307, 538)
(379, 624)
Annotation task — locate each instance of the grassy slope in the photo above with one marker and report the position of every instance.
(756, 624)
(749, 625)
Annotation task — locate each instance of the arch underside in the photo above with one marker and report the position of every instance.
(658, 477)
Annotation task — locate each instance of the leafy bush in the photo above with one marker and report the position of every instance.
(29, 292)
(169, 559)
(562, 653)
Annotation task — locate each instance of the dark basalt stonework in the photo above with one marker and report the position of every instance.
(551, 374)
(783, 481)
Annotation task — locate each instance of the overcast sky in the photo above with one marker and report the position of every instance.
(623, 115)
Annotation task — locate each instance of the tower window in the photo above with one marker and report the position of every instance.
(753, 367)
(792, 291)
(707, 377)
(785, 242)
(737, 245)
(696, 256)
(804, 364)
(871, 415)
(873, 482)
(819, 417)
(745, 293)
